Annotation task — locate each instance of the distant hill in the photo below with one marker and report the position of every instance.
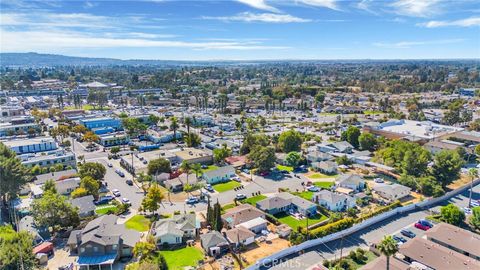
(42, 60)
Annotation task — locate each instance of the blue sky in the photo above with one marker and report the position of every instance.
(244, 29)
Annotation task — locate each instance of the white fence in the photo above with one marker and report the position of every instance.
(277, 257)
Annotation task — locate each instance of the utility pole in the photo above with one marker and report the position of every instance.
(341, 249)
(239, 252)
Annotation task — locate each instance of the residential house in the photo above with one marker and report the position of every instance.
(256, 225)
(102, 242)
(55, 176)
(177, 184)
(193, 155)
(40, 234)
(241, 214)
(284, 202)
(66, 186)
(333, 201)
(351, 181)
(336, 147)
(219, 175)
(327, 167)
(240, 236)
(318, 156)
(214, 243)
(175, 230)
(85, 205)
(391, 192)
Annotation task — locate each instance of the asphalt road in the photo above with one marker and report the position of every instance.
(375, 233)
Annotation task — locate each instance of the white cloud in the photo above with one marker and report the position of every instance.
(409, 44)
(260, 17)
(259, 4)
(63, 20)
(417, 8)
(331, 4)
(365, 5)
(52, 41)
(473, 21)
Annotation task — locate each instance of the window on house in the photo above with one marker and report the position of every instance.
(95, 249)
(114, 246)
(82, 250)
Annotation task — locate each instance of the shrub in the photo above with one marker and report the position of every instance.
(272, 219)
(332, 228)
(380, 210)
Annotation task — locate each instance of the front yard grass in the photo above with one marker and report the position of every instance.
(222, 187)
(102, 210)
(210, 168)
(253, 200)
(359, 264)
(307, 195)
(295, 223)
(138, 223)
(180, 258)
(285, 168)
(325, 185)
(321, 175)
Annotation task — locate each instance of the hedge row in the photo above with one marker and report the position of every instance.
(379, 211)
(272, 219)
(331, 228)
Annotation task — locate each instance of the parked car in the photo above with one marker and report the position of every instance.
(425, 222)
(240, 196)
(236, 178)
(191, 200)
(129, 182)
(116, 193)
(110, 165)
(474, 204)
(209, 188)
(204, 167)
(399, 239)
(378, 180)
(120, 173)
(126, 201)
(313, 189)
(408, 233)
(103, 200)
(467, 210)
(66, 267)
(421, 226)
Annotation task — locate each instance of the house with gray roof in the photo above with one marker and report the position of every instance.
(102, 242)
(284, 202)
(328, 167)
(55, 176)
(40, 234)
(336, 147)
(333, 201)
(219, 175)
(241, 214)
(85, 205)
(351, 181)
(214, 243)
(175, 230)
(391, 192)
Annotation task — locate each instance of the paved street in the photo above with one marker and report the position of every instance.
(374, 234)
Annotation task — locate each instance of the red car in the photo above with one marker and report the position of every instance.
(421, 226)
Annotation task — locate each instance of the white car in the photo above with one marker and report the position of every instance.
(241, 196)
(467, 211)
(110, 165)
(126, 201)
(116, 193)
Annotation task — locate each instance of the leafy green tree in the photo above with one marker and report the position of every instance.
(90, 185)
(253, 140)
(474, 219)
(351, 135)
(153, 119)
(320, 97)
(13, 174)
(343, 160)
(263, 158)
(452, 214)
(16, 248)
(217, 213)
(79, 192)
(90, 137)
(54, 211)
(447, 166)
(402, 155)
(153, 199)
(197, 169)
(93, 169)
(50, 186)
(388, 247)
(114, 150)
(367, 141)
(193, 140)
(477, 150)
(290, 141)
(219, 154)
(293, 158)
(144, 250)
(159, 165)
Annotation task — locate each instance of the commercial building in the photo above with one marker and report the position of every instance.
(33, 145)
(9, 129)
(102, 122)
(113, 139)
(48, 159)
(193, 155)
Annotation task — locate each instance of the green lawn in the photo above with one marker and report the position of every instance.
(370, 112)
(307, 195)
(138, 223)
(222, 187)
(253, 200)
(210, 168)
(295, 223)
(102, 210)
(180, 258)
(357, 265)
(321, 175)
(325, 185)
(87, 107)
(285, 168)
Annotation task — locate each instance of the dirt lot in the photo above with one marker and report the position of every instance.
(463, 180)
(264, 249)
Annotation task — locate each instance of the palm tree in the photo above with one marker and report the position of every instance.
(174, 126)
(388, 247)
(197, 169)
(472, 173)
(188, 123)
(186, 167)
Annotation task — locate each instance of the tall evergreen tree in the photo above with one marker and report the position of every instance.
(218, 216)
